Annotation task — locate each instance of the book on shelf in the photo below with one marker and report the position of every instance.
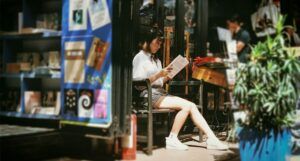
(57, 103)
(43, 110)
(54, 60)
(38, 63)
(48, 21)
(32, 100)
(25, 67)
(36, 60)
(49, 103)
(48, 99)
(12, 68)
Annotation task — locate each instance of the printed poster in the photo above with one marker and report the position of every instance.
(85, 103)
(97, 53)
(98, 13)
(100, 104)
(78, 15)
(70, 100)
(86, 63)
(74, 62)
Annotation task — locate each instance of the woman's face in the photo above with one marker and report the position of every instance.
(155, 45)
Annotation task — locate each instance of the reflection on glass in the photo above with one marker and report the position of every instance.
(169, 25)
(169, 9)
(189, 18)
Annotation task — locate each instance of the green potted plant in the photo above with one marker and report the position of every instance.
(267, 93)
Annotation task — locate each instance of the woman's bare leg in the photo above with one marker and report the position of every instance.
(185, 108)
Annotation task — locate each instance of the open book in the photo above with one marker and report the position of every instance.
(224, 34)
(177, 65)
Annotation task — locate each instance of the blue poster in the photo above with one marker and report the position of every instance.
(86, 62)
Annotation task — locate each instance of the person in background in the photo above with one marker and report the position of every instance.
(241, 36)
(146, 65)
(292, 38)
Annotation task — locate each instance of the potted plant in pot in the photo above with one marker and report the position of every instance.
(266, 90)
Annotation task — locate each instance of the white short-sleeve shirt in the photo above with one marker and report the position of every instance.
(144, 67)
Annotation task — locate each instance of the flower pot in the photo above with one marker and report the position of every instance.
(273, 145)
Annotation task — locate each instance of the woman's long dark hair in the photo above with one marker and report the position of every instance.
(147, 37)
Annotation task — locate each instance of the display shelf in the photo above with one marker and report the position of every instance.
(33, 116)
(33, 36)
(31, 75)
(5, 75)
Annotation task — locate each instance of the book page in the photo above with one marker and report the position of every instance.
(177, 65)
(231, 50)
(223, 34)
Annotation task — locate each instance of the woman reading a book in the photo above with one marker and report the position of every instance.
(147, 66)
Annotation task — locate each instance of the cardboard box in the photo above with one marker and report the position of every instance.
(209, 75)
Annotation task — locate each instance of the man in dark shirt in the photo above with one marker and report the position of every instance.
(241, 36)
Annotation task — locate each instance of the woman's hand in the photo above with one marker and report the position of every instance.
(164, 72)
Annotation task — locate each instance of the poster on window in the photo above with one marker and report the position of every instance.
(86, 63)
(74, 62)
(85, 103)
(98, 13)
(78, 14)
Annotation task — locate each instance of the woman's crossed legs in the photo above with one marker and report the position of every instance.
(186, 108)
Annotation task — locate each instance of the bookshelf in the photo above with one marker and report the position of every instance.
(30, 46)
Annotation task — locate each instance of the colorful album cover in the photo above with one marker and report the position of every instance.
(97, 53)
(100, 106)
(70, 98)
(85, 103)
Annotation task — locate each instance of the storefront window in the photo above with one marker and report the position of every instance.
(190, 23)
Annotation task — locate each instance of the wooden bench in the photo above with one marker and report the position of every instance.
(142, 107)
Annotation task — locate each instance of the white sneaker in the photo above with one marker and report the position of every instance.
(215, 144)
(174, 143)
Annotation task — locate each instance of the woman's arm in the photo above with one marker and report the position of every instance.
(162, 73)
